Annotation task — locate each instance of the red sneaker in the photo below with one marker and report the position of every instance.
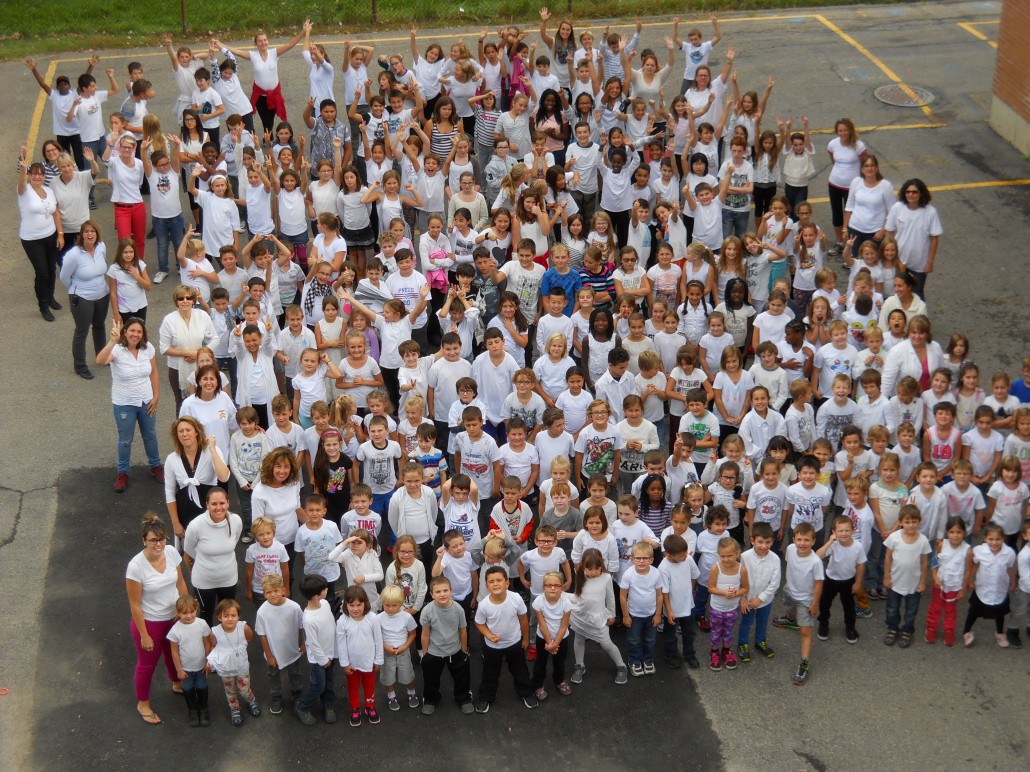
(158, 473)
(121, 482)
(703, 625)
(531, 653)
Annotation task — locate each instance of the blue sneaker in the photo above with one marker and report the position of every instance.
(863, 613)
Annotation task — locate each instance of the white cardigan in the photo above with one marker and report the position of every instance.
(902, 360)
(176, 333)
(429, 511)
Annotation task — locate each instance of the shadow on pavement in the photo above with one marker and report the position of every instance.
(85, 693)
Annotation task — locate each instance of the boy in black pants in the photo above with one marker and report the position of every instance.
(501, 620)
(445, 642)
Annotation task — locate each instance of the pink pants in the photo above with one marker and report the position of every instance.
(146, 661)
(130, 220)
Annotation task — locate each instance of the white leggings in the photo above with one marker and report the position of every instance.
(579, 645)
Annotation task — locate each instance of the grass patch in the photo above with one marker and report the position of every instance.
(46, 26)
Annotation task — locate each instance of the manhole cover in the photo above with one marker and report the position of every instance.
(904, 96)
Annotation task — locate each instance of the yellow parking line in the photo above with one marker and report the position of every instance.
(875, 60)
(968, 27)
(900, 127)
(979, 23)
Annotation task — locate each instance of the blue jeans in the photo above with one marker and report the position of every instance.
(701, 601)
(760, 616)
(641, 639)
(125, 418)
(874, 562)
(381, 504)
(197, 680)
(320, 684)
(98, 146)
(894, 611)
(167, 229)
(735, 223)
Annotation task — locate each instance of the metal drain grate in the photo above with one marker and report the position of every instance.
(905, 96)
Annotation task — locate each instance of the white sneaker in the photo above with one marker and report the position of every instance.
(160, 276)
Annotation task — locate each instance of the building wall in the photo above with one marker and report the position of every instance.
(1010, 102)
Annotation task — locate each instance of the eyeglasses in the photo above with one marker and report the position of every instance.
(727, 477)
(157, 540)
(552, 585)
(912, 192)
(629, 259)
(184, 297)
(643, 557)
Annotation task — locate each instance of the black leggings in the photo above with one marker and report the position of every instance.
(620, 224)
(838, 197)
(42, 253)
(795, 195)
(209, 600)
(978, 609)
(266, 113)
(73, 144)
(763, 194)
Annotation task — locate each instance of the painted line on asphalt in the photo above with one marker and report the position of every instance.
(877, 61)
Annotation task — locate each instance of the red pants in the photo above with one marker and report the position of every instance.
(130, 220)
(948, 602)
(146, 661)
(355, 681)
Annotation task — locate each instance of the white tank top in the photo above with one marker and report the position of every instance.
(726, 582)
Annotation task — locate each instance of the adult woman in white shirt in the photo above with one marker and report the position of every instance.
(40, 230)
(84, 273)
(191, 470)
(126, 173)
(277, 495)
(918, 355)
(135, 390)
(846, 152)
(913, 222)
(649, 80)
(209, 551)
(183, 332)
(267, 93)
(705, 97)
(870, 198)
(212, 407)
(153, 582)
(904, 299)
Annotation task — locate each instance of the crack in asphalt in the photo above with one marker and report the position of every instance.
(5, 541)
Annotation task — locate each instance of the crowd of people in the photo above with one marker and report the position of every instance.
(497, 342)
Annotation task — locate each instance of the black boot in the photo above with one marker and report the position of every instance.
(54, 304)
(205, 717)
(1013, 637)
(190, 696)
(44, 309)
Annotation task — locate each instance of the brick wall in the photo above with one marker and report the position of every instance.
(1010, 102)
(1012, 74)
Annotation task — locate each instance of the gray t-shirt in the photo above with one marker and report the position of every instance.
(444, 622)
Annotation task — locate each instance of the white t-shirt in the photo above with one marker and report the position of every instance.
(906, 566)
(846, 162)
(808, 504)
(642, 598)
(396, 627)
(992, 581)
(554, 613)
(280, 625)
(129, 295)
(1009, 505)
(913, 229)
(190, 640)
(802, 574)
(159, 589)
(768, 504)
(502, 619)
(90, 116)
(677, 579)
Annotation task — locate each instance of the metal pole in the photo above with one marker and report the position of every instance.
(375, 11)
(182, 9)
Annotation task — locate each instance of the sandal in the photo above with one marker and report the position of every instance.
(177, 687)
(150, 718)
